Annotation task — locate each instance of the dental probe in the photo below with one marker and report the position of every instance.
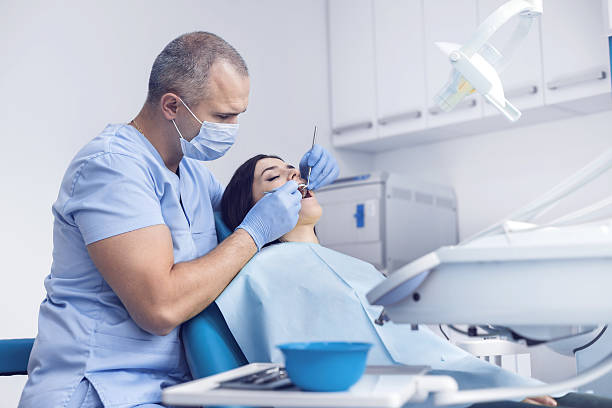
(314, 137)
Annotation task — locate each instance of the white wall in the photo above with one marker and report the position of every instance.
(68, 68)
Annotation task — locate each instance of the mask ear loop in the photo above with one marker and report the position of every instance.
(177, 129)
(192, 114)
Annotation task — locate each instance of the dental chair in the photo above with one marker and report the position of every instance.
(14, 356)
(219, 353)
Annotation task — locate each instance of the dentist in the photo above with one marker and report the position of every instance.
(135, 250)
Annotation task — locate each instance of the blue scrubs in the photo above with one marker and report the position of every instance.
(117, 183)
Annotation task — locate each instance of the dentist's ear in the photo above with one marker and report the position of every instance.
(169, 104)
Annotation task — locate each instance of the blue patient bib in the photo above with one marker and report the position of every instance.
(117, 183)
(304, 292)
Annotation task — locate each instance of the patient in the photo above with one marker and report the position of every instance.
(297, 290)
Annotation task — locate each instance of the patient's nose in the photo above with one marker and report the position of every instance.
(294, 174)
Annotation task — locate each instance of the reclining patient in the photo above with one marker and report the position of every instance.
(297, 290)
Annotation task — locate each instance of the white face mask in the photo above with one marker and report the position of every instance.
(212, 142)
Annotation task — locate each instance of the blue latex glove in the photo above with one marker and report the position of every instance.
(274, 215)
(324, 167)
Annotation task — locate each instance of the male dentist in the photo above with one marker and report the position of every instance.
(135, 250)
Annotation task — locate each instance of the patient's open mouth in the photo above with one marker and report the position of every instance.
(305, 192)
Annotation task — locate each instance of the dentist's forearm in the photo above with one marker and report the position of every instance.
(157, 293)
(196, 284)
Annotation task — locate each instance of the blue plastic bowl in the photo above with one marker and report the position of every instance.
(325, 366)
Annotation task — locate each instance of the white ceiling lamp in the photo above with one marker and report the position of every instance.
(477, 64)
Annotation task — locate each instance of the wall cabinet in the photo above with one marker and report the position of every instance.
(575, 53)
(400, 73)
(351, 54)
(385, 69)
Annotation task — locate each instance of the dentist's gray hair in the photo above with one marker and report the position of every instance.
(183, 65)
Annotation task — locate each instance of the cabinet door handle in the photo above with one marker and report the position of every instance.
(593, 75)
(415, 114)
(354, 126)
(522, 91)
(436, 110)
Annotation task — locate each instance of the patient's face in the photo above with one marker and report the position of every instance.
(271, 174)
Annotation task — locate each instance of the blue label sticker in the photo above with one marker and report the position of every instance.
(360, 215)
(610, 54)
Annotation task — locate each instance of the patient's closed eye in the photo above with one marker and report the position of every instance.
(273, 178)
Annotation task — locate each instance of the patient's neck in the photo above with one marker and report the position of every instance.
(301, 233)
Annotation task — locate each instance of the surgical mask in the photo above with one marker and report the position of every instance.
(212, 142)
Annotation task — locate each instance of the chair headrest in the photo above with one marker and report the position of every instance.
(222, 230)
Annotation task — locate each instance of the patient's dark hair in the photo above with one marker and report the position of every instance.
(238, 196)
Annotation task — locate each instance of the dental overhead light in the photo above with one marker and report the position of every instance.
(477, 64)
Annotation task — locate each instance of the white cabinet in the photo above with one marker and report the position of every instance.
(351, 220)
(447, 21)
(351, 53)
(607, 5)
(522, 79)
(575, 52)
(400, 72)
(386, 219)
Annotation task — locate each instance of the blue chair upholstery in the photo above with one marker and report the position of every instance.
(14, 356)
(210, 347)
(222, 230)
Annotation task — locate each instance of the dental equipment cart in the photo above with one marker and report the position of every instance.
(386, 219)
(380, 387)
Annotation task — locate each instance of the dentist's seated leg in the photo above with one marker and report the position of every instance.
(85, 396)
(298, 290)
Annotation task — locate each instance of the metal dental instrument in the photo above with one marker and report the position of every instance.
(314, 137)
(303, 187)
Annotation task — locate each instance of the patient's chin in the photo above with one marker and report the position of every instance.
(310, 212)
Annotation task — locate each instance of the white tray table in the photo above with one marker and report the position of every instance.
(379, 387)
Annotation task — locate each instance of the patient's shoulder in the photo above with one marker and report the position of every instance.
(289, 255)
(286, 253)
(338, 259)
